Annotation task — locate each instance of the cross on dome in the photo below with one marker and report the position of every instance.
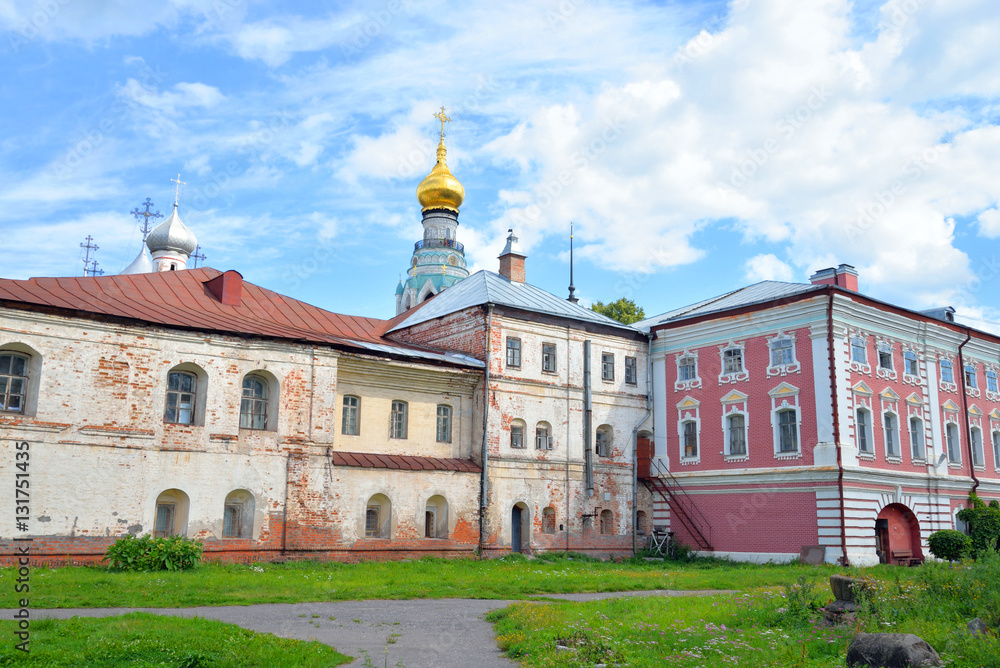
(177, 188)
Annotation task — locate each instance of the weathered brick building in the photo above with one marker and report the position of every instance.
(791, 415)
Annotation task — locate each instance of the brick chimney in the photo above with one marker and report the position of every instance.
(844, 276)
(227, 287)
(512, 260)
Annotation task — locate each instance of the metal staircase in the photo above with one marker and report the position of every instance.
(662, 482)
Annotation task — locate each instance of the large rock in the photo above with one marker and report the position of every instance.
(891, 650)
(844, 587)
(977, 627)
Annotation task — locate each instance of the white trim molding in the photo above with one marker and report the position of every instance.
(784, 368)
(785, 397)
(735, 404)
(887, 346)
(688, 411)
(685, 384)
(733, 376)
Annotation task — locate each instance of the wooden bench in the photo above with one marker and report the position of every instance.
(905, 558)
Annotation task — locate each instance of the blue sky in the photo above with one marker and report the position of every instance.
(698, 146)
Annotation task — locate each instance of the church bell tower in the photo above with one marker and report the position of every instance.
(438, 260)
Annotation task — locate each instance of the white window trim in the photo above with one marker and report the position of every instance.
(976, 422)
(990, 395)
(982, 446)
(856, 366)
(944, 385)
(915, 409)
(785, 397)
(782, 369)
(909, 378)
(735, 403)
(870, 453)
(692, 383)
(688, 410)
(972, 391)
(953, 419)
(897, 458)
(735, 376)
(994, 429)
(884, 345)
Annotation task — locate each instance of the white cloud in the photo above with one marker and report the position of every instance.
(989, 223)
(767, 267)
(184, 94)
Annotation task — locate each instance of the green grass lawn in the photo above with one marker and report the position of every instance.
(508, 578)
(143, 640)
(771, 627)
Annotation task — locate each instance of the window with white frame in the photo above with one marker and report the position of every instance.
(689, 443)
(607, 366)
(14, 382)
(788, 431)
(863, 429)
(378, 517)
(971, 381)
(513, 352)
(991, 384)
(885, 359)
(182, 395)
(543, 436)
(517, 428)
(631, 371)
(782, 351)
(996, 449)
(978, 458)
(687, 371)
(954, 443)
(398, 420)
(891, 430)
(603, 441)
(253, 405)
(548, 358)
(443, 430)
(947, 372)
(911, 366)
(859, 350)
(733, 366)
(351, 422)
(917, 438)
(736, 435)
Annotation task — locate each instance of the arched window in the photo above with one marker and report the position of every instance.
(549, 520)
(607, 522)
(237, 515)
(517, 428)
(253, 406)
(602, 443)
(351, 422)
(171, 513)
(13, 381)
(397, 420)
(443, 423)
(436, 518)
(543, 436)
(640, 522)
(916, 438)
(378, 517)
(182, 397)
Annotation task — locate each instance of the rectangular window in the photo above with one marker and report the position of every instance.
(631, 371)
(732, 361)
(885, 359)
(991, 381)
(603, 443)
(232, 520)
(910, 359)
(688, 369)
(444, 424)
(514, 353)
(430, 522)
(861, 424)
(164, 525)
(180, 398)
(397, 420)
(543, 441)
(516, 436)
(371, 522)
(890, 435)
(996, 449)
(947, 372)
(951, 431)
(970, 376)
(788, 432)
(607, 366)
(13, 380)
(916, 438)
(977, 448)
(737, 435)
(690, 439)
(352, 411)
(782, 352)
(859, 352)
(549, 357)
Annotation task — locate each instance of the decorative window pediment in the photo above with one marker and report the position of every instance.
(687, 371)
(914, 400)
(784, 390)
(950, 406)
(888, 395)
(734, 397)
(733, 356)
(781, 355)
(858, 342)
(862, 388)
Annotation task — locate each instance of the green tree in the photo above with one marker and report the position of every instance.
(949, 544)
(984, 525)
(624, 310)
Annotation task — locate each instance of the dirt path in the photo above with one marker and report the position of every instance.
(431, 633)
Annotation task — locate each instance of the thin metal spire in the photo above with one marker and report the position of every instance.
(572, 297)
(90, 246)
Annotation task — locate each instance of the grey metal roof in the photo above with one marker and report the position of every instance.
(173, 235)
(141, 264)
(421, 354)
(487, 287)
(757, 293)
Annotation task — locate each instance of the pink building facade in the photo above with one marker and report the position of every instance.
(790, 415)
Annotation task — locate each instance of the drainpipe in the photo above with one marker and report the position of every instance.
(965, 409)
(588, 417)
(845, 561)
(486, 417)
(635, 443)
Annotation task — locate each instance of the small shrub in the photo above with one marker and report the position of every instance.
(175, 553)
(949, 544)
(800, 598)
(984, 525)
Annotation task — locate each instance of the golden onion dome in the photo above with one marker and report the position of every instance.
(440, 189)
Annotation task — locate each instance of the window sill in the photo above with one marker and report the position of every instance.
(689, 384)
(549, 373)
(947, 387)
(918, 462)
(736, 458)
(979, 468)
(972, 392)
(632, 384)
(788, 455)
(956, 466)
(734, 377)
(868, 456)
(894, 460)
(861, 367)
(889, 374)
(911, 379)
(688, 461)
(783, 369)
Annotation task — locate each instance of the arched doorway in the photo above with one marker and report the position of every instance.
(897, 535)
(519, 538)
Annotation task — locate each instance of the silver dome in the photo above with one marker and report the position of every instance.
(140, 265)
(172, 235)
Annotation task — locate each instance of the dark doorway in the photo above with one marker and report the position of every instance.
(515, 529)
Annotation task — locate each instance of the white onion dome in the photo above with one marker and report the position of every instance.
(172, 235)
(140, 265)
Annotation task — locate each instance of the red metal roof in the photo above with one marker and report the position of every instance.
(404, 462)
(181, 299)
